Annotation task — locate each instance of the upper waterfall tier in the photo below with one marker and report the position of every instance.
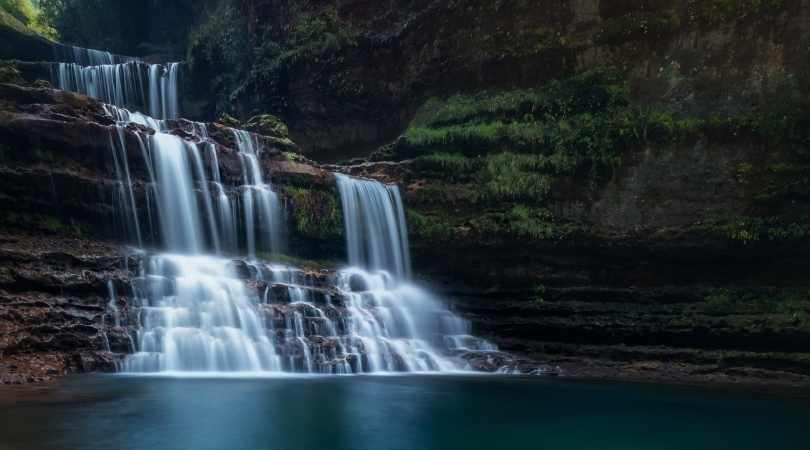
(86, 56)
(186, 208)
(151, 88)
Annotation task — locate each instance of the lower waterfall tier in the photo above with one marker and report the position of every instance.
(208, 314)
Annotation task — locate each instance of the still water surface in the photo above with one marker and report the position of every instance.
(396, 413)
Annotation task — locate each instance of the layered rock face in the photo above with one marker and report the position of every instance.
(54, 314)
(67, 278)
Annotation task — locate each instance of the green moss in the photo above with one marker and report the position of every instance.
(316, 214)
(296, 261)
(430, 227)
(268, 125)
(317, 37)
(9, 73)
(497, 156)
(507, 176)
(793, 302)
(539, 294)
(752, 229)
(446, 165)
(221, 40)
(23, 16)
(650, 23)
(42, 222)
(715, 12)
(596, 89)
(644, 24)
(229, 121)
(446, 193)
(319, 33)
(522, 221)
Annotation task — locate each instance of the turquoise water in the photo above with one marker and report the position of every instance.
(396, 413)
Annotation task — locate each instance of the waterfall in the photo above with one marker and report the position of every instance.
(197, 309)
(376, 234)
(261, 206)
(133, 84)
(179, 213)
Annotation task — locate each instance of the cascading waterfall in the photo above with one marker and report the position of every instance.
(197, 316)
(199, 310)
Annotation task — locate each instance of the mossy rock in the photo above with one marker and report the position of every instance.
(229, 121)
(268, 125)
(9, 73)
(316, 213)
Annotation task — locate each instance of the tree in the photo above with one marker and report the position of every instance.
(29, 14)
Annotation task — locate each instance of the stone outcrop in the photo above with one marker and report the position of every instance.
(54, 318)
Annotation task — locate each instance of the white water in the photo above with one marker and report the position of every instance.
(260, 204)
(196, 316)
(374, 221)
(362, 323)
(188, 208)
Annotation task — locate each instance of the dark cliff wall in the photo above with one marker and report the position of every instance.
(349, 75)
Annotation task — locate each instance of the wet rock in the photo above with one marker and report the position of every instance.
(241, 270)
(53, 307)
(357, 283)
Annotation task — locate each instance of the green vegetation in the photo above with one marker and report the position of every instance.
(9, 73)
(495, 156)
(793, 302)
(129, 27)
(316, 36)
(295, 261)
(504, 152)
(540, 294)
(268, 125)
(650, 22)
(42, 222)
(261, 59)
(431, 227)
(519, 221)
(316, 213)
(221, 41)
(715, 12)
(753, 229)
(24, 16)
(508, 148)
